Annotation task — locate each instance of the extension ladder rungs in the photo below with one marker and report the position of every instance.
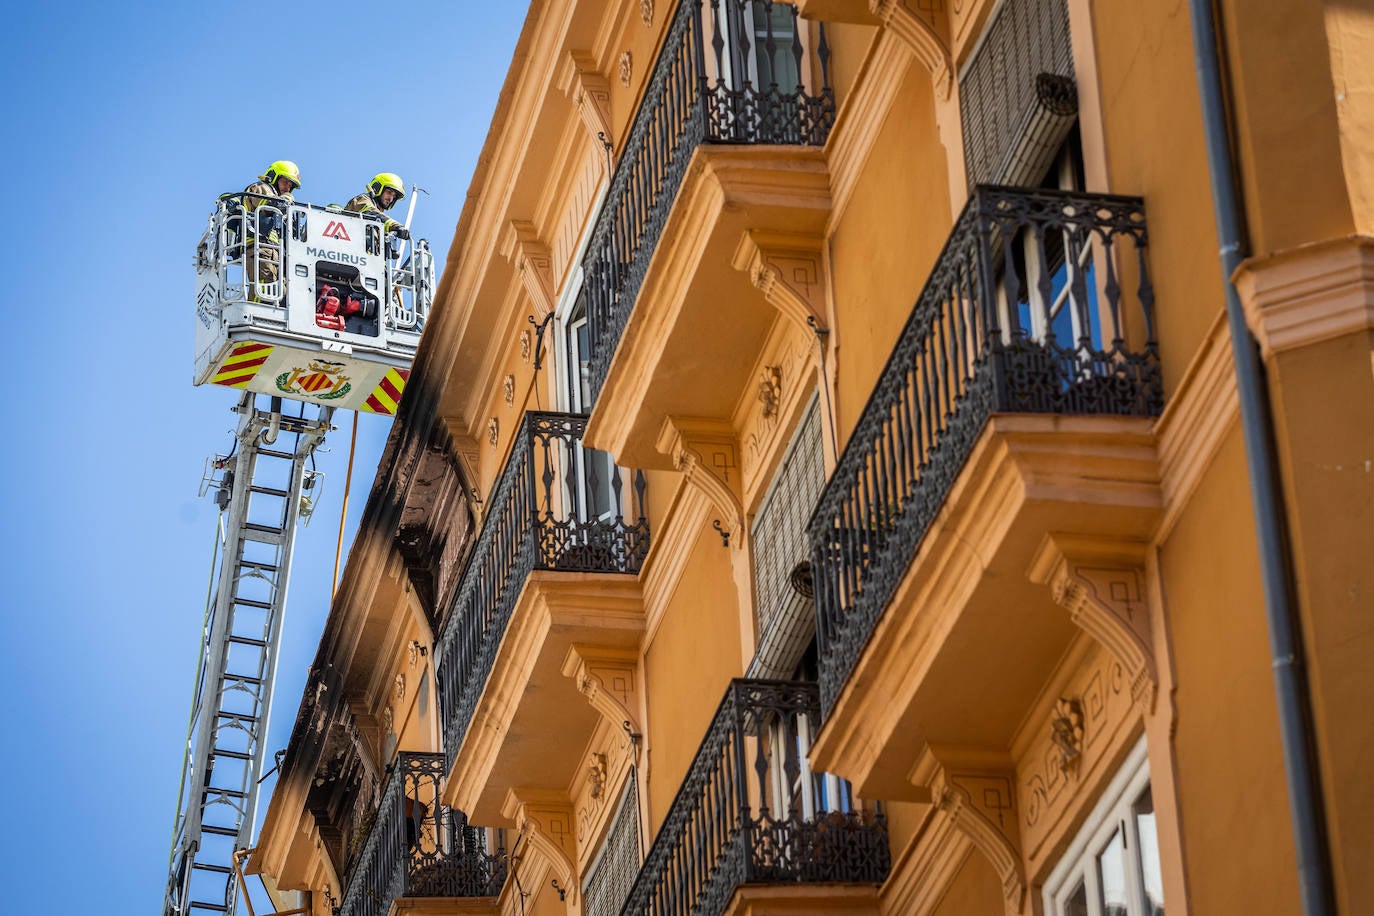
(239, 716)
(217, 869)
(259, 525)
(232, 755)
(218, 831)
(262, 529)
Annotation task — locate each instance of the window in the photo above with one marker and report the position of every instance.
(1016, 93)
(594, 496)
(782, 571)
(613, 873)
(1112, 867)
(1066, 309)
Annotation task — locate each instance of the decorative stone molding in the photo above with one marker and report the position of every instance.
(544, 818)
(646, 13)
(975, 789)
(526, 341)
(790, 272)
(591, 93)
(508, 389)
(1095, 715)
(532, 261)
(1102, 585)
(921, 36)
(608, 678)
(626, 69)
(493, 431)
(1309, 294)
(705, 451)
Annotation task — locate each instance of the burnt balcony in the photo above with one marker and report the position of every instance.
(741, 72)
(750, 811)
(557, 506)
(1040, 303)
(416, 847)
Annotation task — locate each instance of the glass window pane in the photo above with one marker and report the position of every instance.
(1077, 904)
(774, 33)
(1151, 877)
(1111, 871)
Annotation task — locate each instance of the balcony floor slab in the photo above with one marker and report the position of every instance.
(697, 323)
(527, 700)
(966, 628)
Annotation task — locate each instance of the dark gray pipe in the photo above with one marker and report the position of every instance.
(1290, 681)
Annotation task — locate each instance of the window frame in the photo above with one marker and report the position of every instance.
(1115, 809)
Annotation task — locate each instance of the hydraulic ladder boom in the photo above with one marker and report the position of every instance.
(265, 477)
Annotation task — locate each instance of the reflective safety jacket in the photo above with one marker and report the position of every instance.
(366, 204)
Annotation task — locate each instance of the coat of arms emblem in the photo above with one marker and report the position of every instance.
(322, 379)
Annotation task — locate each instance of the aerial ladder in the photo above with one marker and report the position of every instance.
(317, 309)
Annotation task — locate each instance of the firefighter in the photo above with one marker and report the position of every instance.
(274, 186)
(382, 193)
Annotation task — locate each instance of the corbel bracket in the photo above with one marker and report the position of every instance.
(975, 789)
(705, 451)
(790, 272)
(544, 818)
(1101, 583)
(608, 678)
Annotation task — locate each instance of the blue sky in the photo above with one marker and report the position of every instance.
(124, 121)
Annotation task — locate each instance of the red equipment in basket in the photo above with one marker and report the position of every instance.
(327, 309)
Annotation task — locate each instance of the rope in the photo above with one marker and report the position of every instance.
(343, 512)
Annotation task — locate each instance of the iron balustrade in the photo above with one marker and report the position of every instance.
(416, 847)
(751, 811)
(556, 506)
(1040, 302)
(728, 71)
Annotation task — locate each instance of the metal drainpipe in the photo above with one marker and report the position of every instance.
(1290, 681)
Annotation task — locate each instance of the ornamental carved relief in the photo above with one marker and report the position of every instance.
(646, 12)
(596, 775)
(493, 431)
(626, 69)
(525, 341)
(400, 687)
(770, 390)
(1082, 730)
(1066, 731)
(508, 389)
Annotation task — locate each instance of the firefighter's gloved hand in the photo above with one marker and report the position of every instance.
(401, 232)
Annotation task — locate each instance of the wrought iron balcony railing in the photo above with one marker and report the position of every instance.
(729, 71)
(556, 506)
(1040, 302)
(751, 811)
(416, 847)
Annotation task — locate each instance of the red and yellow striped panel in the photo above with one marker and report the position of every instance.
(387, 394)
(242, 364)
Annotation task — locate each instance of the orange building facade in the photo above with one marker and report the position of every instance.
(823, 484)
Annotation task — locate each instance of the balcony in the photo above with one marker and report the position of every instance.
(738, 72)
(418, 848)
(558, 507)
(1015, 403)
(751, 811)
